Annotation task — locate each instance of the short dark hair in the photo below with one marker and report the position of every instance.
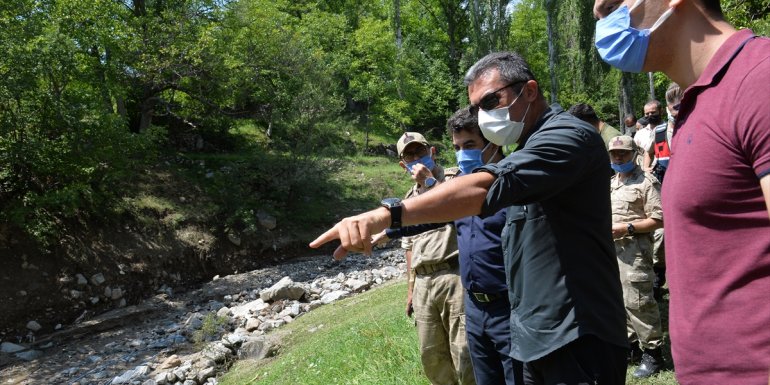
(465, 119)
(654, 102)
(629, 116)
(585, 113)
(512, 67)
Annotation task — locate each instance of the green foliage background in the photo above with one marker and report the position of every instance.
(93, 94)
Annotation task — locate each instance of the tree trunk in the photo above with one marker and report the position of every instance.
(476, 16)
(626, 95)
(652, 86)
(549, 9)
(454, 61)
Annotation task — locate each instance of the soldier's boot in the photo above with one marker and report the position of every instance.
(652, 362)
(635, 354)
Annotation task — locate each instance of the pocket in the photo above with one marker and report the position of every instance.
(623, 204)
(637, 290)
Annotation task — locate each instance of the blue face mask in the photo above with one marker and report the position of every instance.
(625, 167)
(426, 161)
(469, 160)
(621, 45)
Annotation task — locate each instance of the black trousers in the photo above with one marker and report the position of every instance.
(587, 360)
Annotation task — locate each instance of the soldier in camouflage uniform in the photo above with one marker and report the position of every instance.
(636, 213)
(435, 291)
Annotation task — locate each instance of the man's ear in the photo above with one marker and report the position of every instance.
(674, 3)
(402, 164)
(433, 152)
(531, 89)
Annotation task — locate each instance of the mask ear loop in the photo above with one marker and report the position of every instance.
(636, 4)
(482, 154)
(661, 19)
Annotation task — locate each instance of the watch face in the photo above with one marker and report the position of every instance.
(430, 182)
(390, 202)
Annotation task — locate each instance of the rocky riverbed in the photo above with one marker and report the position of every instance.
(190, 338)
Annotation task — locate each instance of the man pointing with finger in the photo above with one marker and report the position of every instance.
(567, 314)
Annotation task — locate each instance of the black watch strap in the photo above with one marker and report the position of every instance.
(394, 206)
(631, 229)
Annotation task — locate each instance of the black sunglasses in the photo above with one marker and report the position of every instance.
(492, 99)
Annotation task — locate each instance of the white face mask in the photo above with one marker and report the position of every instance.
(497, 126)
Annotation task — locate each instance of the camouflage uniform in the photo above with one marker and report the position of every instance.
(437, 299)
(636, 198)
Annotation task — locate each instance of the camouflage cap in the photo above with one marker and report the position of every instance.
(622, 142)
(407, 138)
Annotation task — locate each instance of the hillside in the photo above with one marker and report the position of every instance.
(187, 219)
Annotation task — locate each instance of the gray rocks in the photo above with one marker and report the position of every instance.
(34, 326)
(333, 296)
(29, 355)
(266, 220)
(283, 289)
(232, 317)
(97, 279)
(10, 347)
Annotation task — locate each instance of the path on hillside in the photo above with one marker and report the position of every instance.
(152, 343)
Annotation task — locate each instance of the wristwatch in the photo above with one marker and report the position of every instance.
(631, 229)
(430, 182)
(394, 206)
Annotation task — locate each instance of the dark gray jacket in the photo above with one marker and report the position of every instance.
(561, 268)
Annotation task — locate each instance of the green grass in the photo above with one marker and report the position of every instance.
(381, 176)
(364, 340)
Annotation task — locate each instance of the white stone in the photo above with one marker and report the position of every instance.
(357, 285)
(224, 312)
(333, 296)
(283, 289)
(253, 307)
(34, 326)
(252, 324)
(97, 279)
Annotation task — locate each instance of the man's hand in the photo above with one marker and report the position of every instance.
(619, 230)
(409, 308)
(420, 173)
(355, 233)
(380, 238)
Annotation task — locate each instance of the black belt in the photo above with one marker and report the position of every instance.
(484, 297)
(432, 268)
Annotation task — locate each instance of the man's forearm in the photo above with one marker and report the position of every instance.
(454, 199)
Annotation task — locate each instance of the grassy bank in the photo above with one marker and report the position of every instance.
(362, 340)
(365, 340)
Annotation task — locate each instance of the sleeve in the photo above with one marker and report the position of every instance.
(412, 230)
(753, 121)
(653, 207)
(551, 160)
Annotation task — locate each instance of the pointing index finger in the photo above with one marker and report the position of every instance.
(328, 236)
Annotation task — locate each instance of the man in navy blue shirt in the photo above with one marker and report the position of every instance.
(482, 271)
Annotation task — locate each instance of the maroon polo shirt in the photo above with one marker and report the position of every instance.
(717, 225)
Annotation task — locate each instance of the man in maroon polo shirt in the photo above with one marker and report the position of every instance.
(716, 198)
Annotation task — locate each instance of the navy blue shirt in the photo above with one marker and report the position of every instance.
(481, 253)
